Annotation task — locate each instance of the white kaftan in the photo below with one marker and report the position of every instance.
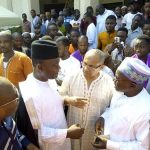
(45, 108)
(127, 122)
(99, 95)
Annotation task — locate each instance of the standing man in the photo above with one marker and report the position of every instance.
(26, 26)
(15, 66)
(127, 19)
(68, 64)
(147, 10)
(41, 109)
(35, 20)
(48, 18)
(91, 31)
(102, 14)
(126, 122)
(52, 31)
(94, 85)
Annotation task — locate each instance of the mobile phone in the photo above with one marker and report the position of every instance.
(117, 39)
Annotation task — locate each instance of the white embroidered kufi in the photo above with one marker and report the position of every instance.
(135, 70)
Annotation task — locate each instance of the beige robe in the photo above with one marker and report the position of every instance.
(99, 95)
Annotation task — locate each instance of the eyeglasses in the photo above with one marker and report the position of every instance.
(15, 100)
(90, 66)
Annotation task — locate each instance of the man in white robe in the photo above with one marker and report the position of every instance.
(94, 85)
(127, 121)
(43, 103)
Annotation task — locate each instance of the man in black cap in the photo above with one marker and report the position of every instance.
(42, 107)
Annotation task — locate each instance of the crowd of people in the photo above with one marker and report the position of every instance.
(75, 83)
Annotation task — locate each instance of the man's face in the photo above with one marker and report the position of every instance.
(37, 30)
(122, 83)
(74, 37)
(110, 25)
(50, 68)
(65, 12)
(60, 20)
(48, 15)
(90, 11)
(27, 38)
(147, 7)
(24, 17)
(77, 15)
(118, 11)
(134, 6)
(5, 43)
(18, 42)
(83, 46)
(53, 13)
(141, 48)
(101, 9)
(136, 22)
(52, 30)
(122, 35)
(146, 29)
(33, 14)
(61, 49)
(9, 102)
(91, 66)
(124, 11)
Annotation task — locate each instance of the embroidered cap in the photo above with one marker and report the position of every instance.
(44, 49)
(135, 70)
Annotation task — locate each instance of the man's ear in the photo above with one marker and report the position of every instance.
(67, 48)
(133, 85)
(39, 67)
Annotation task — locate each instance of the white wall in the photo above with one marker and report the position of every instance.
(6, 4)
(83, 4)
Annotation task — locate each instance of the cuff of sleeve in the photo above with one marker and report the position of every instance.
(24, 141)
(62, 133)
(112, 145)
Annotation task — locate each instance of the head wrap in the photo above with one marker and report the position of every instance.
(135, 70)
(44, 49)
(6, 32)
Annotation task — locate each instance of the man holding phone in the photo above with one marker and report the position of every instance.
(119, 49)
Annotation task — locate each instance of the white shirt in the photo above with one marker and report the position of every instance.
(68, 67)
(34, 22)
(108, 71)
(46, 113)
(100, 21)
(127, 19)
(119, 23)
(132, 35)
(92, 36)
(116, 55)
(99, 94)
(127, 122)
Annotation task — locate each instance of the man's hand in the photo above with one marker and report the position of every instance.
(32, 147)
(76, 101)
(75, 131)
(100, 141)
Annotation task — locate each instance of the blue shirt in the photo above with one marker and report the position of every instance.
(10, 138)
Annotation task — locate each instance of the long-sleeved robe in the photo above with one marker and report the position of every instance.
(99, 95)
(45, 110)
(127, 122)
